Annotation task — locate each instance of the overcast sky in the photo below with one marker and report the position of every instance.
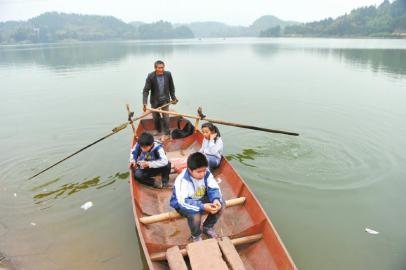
(236, 12)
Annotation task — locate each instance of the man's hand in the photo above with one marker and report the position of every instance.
(144, 107)
(174, 101)
(210, 208)
(132, 164)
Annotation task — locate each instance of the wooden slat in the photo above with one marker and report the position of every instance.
(159, 256)
(175, 259)
(230, 254)
(176, 215)
(205, 255)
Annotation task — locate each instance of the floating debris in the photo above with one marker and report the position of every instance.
(86, 205)
(370, 231)
(33, 224)
(15, 194)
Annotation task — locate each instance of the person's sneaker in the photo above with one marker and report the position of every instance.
(210, 232)
(158, 184)
(195, 238)
(165, 183)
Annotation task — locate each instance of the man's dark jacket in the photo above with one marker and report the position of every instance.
(151, 83)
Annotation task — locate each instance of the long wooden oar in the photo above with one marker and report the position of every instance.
(221, 122)
(114, 131)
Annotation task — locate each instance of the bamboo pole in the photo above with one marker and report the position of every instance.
(113, 131)
(160, 256)
(176, 215)
(221, 122)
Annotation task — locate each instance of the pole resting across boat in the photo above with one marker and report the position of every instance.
(221, 122)
(176, 215)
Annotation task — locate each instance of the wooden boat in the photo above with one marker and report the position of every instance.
(256, 241)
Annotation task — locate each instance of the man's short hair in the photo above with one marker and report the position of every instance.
(158, 62)
(145, 139)
(197, 160)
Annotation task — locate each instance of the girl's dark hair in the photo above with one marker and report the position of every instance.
(212, 129)
(146, 139)
(197, 160)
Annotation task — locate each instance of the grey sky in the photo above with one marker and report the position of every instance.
(236, 12)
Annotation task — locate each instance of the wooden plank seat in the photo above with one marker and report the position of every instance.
(205, 255)
(175, 259)
(159, 256)
(230, 254)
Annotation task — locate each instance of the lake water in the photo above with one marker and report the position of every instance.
(346, 172)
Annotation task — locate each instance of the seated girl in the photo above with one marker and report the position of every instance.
(212, 146)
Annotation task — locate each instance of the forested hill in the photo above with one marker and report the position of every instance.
(59, 27)
(386, 20)
(56, 27)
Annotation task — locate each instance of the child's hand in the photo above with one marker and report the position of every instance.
(209, 208)
(144, 164)
(132, 164)
(217, 204)
(213, 136)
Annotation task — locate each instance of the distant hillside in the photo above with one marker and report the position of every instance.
(215, 29)
(60, 27)
(53, 26)
(161, 29)
(218, 29)
(268, 21)
(57, 27)
(386, 20)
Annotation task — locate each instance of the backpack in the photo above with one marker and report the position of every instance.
(186, 131)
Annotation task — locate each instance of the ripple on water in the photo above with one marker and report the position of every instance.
(323, 158)
(17, 168)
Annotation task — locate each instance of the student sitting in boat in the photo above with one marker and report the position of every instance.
(196, 192)
(148, 159)
(212, 146)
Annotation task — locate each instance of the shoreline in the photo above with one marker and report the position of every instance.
(73, 42)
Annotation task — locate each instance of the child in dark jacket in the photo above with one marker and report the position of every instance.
(196, 192)
(148, 159)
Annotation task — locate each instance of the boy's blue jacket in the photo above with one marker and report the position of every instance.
(156, 157)
(184, 192)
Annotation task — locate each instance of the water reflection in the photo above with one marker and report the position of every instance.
(71, 56)
(61, 57)
(69, 189)
(246, 154)
(390, 61)
(266, 50)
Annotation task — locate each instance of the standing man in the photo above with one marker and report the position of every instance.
(160, 83)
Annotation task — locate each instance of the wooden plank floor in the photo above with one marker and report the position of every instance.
(205, 255)
(175, 259)
(230, 254)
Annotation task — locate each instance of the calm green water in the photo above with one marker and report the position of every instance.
(346, 172)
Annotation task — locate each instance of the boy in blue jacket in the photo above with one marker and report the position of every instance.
(148, 159)
(196, 192)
